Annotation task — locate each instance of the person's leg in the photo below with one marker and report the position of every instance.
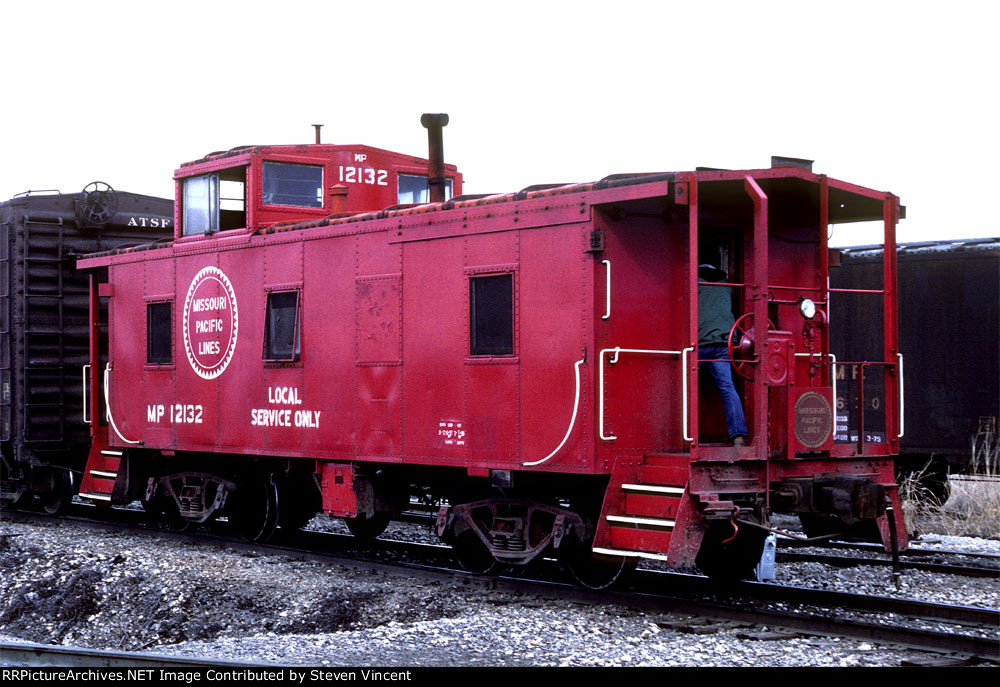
(716, 360)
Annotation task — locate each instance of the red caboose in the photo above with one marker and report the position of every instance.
(531, 358)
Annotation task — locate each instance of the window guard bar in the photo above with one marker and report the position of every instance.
(617, 351)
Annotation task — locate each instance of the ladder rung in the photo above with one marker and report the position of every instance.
(111, 452)
(629, 554)
(645, 522)
(96, 497)
(104, 475)
(654, 489)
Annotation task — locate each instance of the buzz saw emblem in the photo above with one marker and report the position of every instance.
(211, 322)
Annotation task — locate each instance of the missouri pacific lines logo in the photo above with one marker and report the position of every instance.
(211, 322)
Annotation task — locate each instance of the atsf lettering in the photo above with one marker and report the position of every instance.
(149, 222)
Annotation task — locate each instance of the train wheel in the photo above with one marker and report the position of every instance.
(597, 572)
(254, 514)
(363, 527)
(473, 555)
(162, 510)
(55, 490)
(724, 559)
(300, 502)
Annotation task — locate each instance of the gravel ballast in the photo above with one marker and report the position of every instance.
(74, 585)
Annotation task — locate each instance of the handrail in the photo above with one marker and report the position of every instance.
(902, 403)
(86, 420)
(107, 403)
(899, 365)
(607, 299)
(600, 358)
(572, 421)
(684, 394)
(875, 291)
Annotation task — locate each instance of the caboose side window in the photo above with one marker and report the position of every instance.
(491, 313)
(281, 327)
(215, 202)
(414, 189)
(295, 185)
(201, 205)
(158, 334)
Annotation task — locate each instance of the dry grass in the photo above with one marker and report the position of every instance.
(973, 508)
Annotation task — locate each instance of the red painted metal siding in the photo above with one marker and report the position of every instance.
(328, 342)
(435, 310)
(555, 312)
(642, 397)
(386, 371)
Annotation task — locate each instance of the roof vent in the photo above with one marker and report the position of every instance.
(779, 161)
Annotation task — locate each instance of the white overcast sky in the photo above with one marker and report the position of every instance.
(896, 96)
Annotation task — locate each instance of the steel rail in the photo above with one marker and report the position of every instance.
(913, 549)
(26, 655)
(851, 561)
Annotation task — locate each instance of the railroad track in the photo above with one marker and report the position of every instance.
(851, 561)
(914, 550)
(26, 655)
(947, 562)
(970, 631)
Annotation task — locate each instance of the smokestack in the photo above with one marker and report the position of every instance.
(435, 154)
(317, 127)
(338, 199)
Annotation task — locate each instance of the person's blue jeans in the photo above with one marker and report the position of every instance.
(715, 358)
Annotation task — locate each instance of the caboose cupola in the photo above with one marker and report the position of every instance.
(250, 188)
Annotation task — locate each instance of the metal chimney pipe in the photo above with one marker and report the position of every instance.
(435, 154)
(338, 199)
(317, 127)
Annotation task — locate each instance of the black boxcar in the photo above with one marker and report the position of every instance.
(44, 333)
(949, 334)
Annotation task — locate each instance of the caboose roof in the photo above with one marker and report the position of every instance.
(241, 155)
(794, 189)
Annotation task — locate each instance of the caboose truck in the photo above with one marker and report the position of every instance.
(530, 359)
